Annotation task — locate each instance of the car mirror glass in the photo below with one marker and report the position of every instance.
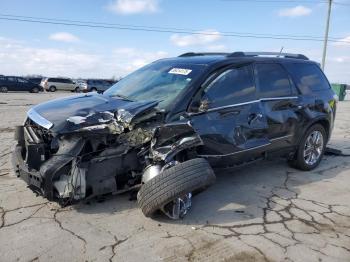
(204, 105)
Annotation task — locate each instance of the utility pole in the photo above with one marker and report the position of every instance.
(326, 34)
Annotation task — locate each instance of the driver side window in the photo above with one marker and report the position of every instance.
(232, 86)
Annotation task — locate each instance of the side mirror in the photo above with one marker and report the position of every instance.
(203, 105)
(199, 106)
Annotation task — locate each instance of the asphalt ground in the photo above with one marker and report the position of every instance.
(265, 211)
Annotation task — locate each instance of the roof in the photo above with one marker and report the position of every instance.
(210, 58)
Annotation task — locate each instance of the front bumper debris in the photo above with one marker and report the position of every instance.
(31, 177)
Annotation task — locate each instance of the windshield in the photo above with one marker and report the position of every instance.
(161, 81)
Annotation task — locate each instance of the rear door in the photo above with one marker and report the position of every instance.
(70, 85)
(229, 118)
(280, 102)
(23, 84)
(60, 84)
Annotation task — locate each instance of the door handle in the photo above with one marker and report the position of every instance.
(229, 112)
(254, 117)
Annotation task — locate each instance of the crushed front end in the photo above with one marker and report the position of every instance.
(96, 154)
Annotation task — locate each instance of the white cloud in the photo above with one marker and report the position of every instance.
(343, 42)
(22, 59)
(134, 6)
(64, 37)
(133, 59)
(340, 59)
(202, 38)
(295, 11)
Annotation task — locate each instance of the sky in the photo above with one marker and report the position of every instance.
(28, 48)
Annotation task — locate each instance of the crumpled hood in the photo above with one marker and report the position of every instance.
(88, 110)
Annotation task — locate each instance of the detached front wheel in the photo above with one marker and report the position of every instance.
(171, 190)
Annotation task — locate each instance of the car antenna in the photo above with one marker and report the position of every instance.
(281, 51)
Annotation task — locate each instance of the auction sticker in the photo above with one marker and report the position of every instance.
(180, 71)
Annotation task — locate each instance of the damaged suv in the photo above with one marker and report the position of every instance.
(161, 129)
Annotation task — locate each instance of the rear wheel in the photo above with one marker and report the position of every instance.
(171, 190)
(35, 90)
(4, 89)
(311, 148)
(93, 89)
(52, 89)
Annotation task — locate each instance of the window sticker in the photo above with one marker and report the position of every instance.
(180, 71)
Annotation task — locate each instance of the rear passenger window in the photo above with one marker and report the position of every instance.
(272, 80)
(308, 77)
(21, 80)
(231, 87)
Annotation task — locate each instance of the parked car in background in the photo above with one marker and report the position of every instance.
(53, 84)
(347, 95)
(15, 83)
(82, 84)
(98, 85)
(35, 80)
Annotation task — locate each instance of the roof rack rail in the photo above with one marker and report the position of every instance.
(201, 54)
(277, 54)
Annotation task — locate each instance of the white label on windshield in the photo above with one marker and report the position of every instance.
(180, 71)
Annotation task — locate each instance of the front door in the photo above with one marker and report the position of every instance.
(13, 84)
(229, 119)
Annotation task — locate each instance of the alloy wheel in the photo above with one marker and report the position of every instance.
(313, 148)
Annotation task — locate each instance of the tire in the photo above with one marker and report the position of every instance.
(52, 89)
(4, 89)
(35, 90)
(189, 176)
(94, 89)
(77, 89)
(299, 160)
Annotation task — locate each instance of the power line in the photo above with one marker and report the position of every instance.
(158, 29)
(162, 28)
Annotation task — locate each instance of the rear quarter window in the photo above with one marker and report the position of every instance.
(308, 77)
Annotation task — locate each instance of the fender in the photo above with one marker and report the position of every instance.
(170, 139)
(314, 121)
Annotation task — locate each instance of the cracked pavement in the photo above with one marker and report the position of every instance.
(265, 211)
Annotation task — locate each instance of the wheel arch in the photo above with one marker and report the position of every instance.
(323, 121)
(171, 140)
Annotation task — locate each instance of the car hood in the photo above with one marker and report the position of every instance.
(81, 111)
